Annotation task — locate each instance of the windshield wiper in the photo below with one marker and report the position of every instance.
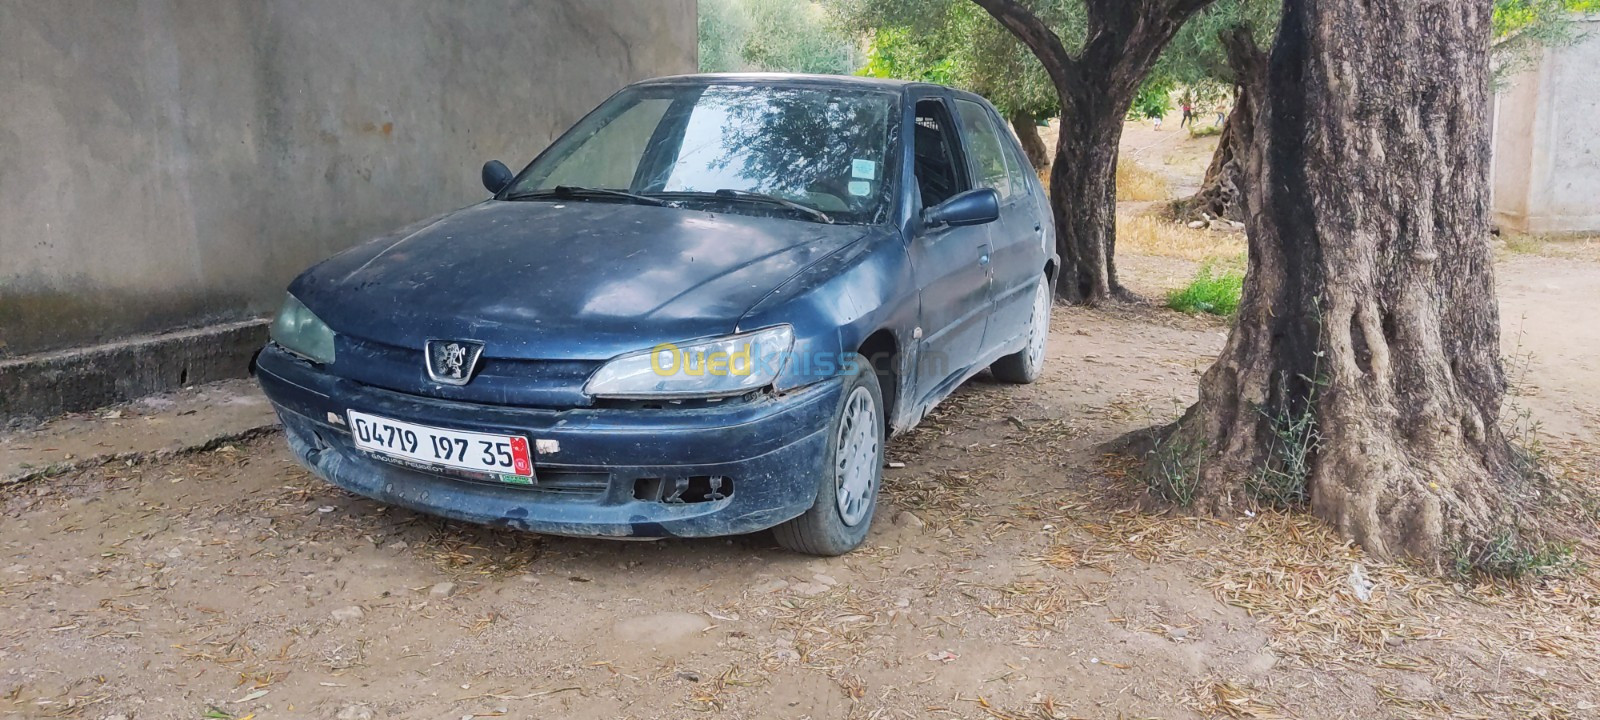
(774, 199)
(765, 198)
(575, 191)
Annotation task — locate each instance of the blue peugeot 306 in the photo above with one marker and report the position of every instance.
(701, 311)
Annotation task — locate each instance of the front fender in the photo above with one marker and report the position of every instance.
(836, 303)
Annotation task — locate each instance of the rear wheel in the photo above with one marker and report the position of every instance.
(847, 492)
(1023, 366)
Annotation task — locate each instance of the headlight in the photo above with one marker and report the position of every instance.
(707, 368)
(302, 333)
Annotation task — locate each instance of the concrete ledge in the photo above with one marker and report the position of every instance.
(49, 384)
(1547, 224)
(193, 419)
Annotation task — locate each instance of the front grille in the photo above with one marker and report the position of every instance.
(555, 384)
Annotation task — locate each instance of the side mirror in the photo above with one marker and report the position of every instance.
(973, 207)
(496, 176)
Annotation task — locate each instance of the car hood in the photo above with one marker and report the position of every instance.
(567, 280)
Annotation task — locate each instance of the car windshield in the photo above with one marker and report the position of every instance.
(819, 147)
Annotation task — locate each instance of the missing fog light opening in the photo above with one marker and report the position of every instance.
(683, 490)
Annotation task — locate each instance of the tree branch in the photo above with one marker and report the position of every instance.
(1062, 67)
(1247, 61)
(1125, 37)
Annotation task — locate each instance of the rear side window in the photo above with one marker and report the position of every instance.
(984, 143)
(1020, 167)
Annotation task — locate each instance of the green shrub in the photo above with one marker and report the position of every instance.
(1212, 291)
(1198, 130)
(1283, 481)
(1510, 556)
(1173, 470)
(1154, 98)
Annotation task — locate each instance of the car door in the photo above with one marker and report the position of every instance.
(1017, 262)
(950, 265)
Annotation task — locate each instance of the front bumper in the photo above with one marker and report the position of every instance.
(613, 474)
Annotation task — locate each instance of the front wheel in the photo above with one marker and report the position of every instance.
(847, 492)
(1023, 366)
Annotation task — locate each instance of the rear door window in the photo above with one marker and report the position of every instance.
(988, 157)
(1020, 167)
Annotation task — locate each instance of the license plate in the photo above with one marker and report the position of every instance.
(482, 452)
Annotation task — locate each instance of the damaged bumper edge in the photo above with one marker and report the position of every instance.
(605, 472)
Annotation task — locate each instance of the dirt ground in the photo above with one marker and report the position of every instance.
(1007, 576)
(1171, 152)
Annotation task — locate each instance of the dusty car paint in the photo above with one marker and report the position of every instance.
(554, 290)
(526, 279)
(770, 438)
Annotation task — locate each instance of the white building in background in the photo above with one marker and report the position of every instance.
(1546, 166)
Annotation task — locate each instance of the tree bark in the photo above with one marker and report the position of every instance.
(1219, 195)
(1027, 128)
(1368, 309)
(1083, 199)
(1095, 88)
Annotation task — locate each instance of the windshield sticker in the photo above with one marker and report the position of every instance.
(864, 169)
(860, 188)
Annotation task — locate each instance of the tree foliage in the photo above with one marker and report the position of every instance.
(901, 53)
(1524, 28)
(1196, 56)
(773, 35)
(1195, 62)
(951, 42)
(1511, 16)
(1154, 98)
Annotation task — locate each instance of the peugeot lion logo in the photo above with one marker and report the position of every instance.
(452, 362)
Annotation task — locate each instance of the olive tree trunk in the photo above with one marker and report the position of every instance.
(1095, 87)
(1220, 192)
(1363, 375)
(1083, 196)
(1027, 129)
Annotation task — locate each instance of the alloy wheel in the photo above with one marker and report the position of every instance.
(856, 457)
(1039, 326)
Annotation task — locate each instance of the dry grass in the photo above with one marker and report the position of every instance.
(1232, 699)
(1570, 247)
(1135, 183)
(1138, 184)
(1152, 235)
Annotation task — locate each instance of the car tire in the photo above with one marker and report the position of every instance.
(852, 469)
(1023, 366)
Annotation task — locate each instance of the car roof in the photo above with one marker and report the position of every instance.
(772, 79)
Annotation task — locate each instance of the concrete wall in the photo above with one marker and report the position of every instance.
(170, 163)
(1546, 141)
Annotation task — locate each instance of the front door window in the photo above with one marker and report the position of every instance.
(938, 170)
